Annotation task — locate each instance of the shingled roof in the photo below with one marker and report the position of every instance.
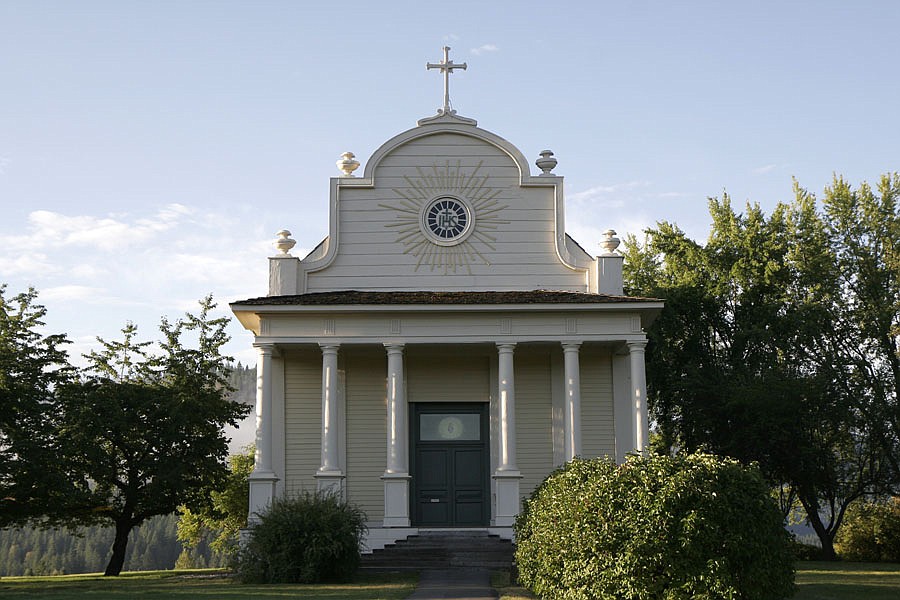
(356, 297)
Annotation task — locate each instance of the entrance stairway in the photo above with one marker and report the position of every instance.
(436, 549)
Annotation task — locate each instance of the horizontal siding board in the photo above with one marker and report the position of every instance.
(448, 379)
(440, 281)
(597, 425)
(366, 432)
(303, 420)
(534, 426)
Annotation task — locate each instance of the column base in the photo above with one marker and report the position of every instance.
(331, 482)
(396, 499)
(262, 492)
(507, 508)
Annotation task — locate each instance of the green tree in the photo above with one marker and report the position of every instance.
(762, 354)
(226, 514)
(33, 482)
(147, 429)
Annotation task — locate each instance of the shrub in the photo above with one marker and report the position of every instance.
(803, 551)
(656, 527)
(309, 538)
(871, 532)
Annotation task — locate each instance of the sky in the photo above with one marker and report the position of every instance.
(149, 151)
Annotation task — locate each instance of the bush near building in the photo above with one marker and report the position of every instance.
(658, 527)
(871, 532)
(309, 538)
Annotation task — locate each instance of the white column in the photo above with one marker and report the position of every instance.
(396, 406)
(263, 478)
(329, 475)
(507, 391)
(640, 419)
(572, 411)
(507, 475)
(396, 474)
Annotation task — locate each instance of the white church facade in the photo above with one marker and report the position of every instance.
(448, 344)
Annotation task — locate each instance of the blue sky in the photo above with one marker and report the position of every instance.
(150, 150)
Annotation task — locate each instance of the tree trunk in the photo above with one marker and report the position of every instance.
(826, 537)
(117, 560)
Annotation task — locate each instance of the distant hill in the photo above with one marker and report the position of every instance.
(153, 545)
(243, 379)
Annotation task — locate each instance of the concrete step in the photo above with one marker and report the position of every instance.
(441, 550)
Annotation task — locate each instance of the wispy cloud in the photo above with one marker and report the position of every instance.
(451, 37)
(601, 193)
(72, 293)
(484, 48)
(4, 164)
(764, 169)
(106, 233)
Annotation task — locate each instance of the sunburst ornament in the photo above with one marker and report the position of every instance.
(446, 218)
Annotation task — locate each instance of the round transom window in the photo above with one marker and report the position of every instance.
(447, 220)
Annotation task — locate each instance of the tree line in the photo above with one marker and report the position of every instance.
(136, 434)
(779, 343)
(152, 546)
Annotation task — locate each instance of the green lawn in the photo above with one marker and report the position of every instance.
(157, 585)
(815, 581)
(847, 581)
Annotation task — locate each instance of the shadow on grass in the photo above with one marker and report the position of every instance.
(847, 581)
(158, 585)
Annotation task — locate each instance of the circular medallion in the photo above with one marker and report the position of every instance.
(450, 428)
(447, 220)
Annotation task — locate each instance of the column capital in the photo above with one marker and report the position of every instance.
(570, 346)
(636, 345)
(394, 347)
(329, 348)
(265, 347)
(506, 347)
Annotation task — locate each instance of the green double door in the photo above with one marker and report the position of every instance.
(450, 465)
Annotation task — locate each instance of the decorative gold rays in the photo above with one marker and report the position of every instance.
(471, 190)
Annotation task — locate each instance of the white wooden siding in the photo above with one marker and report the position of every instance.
(443, 378)
(366, 432)
(597, 425)
(534, 426)
(303, 420)
(521, 255)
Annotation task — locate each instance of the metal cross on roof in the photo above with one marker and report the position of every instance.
(446, 66)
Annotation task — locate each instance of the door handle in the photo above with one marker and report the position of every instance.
(434, 500)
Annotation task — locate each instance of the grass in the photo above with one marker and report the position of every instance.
(507, 590)
(184, 585)
(815, 581)
(847, 581)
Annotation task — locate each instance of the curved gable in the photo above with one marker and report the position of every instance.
(447, 206)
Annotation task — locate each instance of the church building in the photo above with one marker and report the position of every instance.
(448, 344)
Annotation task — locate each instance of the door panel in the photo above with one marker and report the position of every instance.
(433, 489)
(450, 475)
